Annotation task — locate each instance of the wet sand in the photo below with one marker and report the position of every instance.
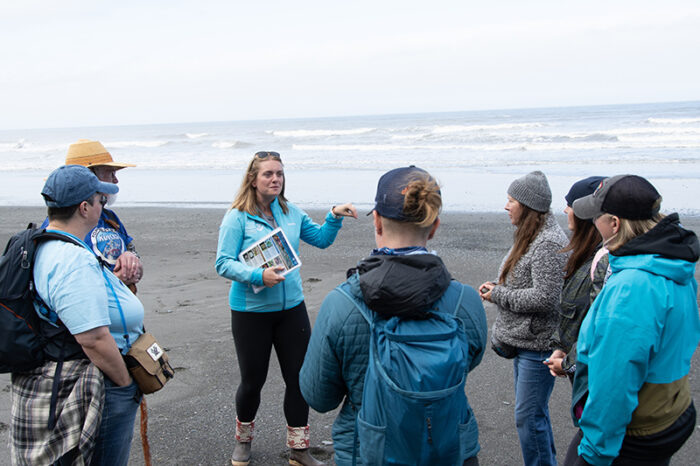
(192, 420)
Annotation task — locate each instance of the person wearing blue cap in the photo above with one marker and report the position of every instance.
(401, 280)
(583, 280)
(94, 397)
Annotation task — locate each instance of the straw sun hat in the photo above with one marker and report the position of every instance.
(92, 154)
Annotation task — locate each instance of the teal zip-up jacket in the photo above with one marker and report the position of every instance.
(637, 341)
(240, 230)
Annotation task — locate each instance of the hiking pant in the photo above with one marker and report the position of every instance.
(254, 335)
(649, 450)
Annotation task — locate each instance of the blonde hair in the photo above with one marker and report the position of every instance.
(630, 229)
(422, 202)
(529, 225)
(246, 199)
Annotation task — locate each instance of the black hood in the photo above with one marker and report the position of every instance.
(668, 239)
(405, 286)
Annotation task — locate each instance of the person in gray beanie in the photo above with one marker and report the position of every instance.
(532, 190)
(527, 295)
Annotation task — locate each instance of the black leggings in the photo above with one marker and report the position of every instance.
(254, 335)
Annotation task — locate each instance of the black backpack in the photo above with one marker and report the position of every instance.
(26, 340)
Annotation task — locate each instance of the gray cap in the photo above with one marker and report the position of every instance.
(532, 190)
(72, 184)
(626, 196)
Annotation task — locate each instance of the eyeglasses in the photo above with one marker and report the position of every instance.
(265, 154)
(103, 200)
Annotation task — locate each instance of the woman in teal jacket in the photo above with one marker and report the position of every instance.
(637, 340)
(267, 306)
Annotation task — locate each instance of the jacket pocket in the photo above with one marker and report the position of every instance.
(468, 440)
(371, 442)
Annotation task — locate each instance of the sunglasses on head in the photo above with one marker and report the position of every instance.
(265, 154)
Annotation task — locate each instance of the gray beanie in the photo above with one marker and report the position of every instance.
(532, 190)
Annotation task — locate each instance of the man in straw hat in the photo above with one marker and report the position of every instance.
(109, 239)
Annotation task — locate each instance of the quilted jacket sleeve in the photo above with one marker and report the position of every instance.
(474, 317)
(321, 377)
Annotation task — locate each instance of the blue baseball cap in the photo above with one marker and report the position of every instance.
(582, 188)
(72, 184)
(391, 190)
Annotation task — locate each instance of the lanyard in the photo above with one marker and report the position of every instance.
(119, 306)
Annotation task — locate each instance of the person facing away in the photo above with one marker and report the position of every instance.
(583, 280)
(109, 240)
(527, 296)
(400, 278)
(84, 375)
(637, 340)
(274, 316)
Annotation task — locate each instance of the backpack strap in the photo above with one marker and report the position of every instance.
(41, 237)
(455, 283)
(366, 312)
(368, 315)
(46, 236)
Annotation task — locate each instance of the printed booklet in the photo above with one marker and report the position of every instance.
(271, 251)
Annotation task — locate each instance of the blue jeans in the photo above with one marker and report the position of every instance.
(117, 428)
(533, 386)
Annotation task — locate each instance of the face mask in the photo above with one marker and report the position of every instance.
(111, 199)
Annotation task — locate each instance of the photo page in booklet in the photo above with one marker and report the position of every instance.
(271, 251)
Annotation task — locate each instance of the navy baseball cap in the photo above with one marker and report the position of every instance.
(626, 196)
(391, 190)
(582, 188)
(72, 184)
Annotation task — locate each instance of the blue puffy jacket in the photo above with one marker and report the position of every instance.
(240, 230)
(337, 356)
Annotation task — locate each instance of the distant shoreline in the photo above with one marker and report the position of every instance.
(222, 206)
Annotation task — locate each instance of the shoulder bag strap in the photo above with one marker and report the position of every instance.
(119, 306)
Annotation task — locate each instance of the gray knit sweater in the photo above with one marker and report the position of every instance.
(528, 301)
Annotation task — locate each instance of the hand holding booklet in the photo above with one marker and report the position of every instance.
(272, 250)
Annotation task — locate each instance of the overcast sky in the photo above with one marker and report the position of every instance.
(76, 63)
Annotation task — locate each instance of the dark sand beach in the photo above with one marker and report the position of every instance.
(191, 421)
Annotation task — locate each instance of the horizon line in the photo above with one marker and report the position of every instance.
(373, 115)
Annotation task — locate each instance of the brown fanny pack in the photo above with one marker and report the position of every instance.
(148, 364)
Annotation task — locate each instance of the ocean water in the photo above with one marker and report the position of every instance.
(474, 155)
